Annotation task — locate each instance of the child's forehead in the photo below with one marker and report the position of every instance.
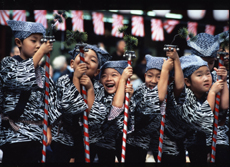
(38, 35)
(201, 69)
(153, 71)
(110, 71)
(91, 53)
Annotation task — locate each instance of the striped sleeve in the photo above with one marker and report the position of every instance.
(70, 100)
(18, 74)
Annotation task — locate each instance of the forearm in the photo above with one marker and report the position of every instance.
(76, 83)
(178, 77)
(90, 98)
(118, 99)
(163, 84)
(224, 98)
(37, 57)
(211, 99)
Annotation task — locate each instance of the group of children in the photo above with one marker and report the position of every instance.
(187, 81)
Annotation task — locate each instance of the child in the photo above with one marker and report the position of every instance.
(205, 46)
(106, 126)
(68, 137)
(22, 96)
(146, 108)
(198, 106)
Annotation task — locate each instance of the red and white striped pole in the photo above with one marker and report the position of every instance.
(163, 109)
(216, 115)
(45, 124)
(85, 116)
(129, 54)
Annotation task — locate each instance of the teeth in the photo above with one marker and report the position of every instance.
(110, 85)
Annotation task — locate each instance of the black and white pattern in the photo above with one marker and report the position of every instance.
(146, 113)
(186, 114)
(102, 131)
(17, 76)
(71, 104)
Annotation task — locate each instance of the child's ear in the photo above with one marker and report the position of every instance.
(71, 63)
(187, 82)
(97, 72)
(18, 42)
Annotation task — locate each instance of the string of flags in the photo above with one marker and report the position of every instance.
(157, 25)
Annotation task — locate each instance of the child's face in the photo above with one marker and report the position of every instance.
(210, 61)
(30, 45)
(152, 77)
(91, 61)
(201, 81)
(110, 80)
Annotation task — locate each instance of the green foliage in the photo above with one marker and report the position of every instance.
(183, 32)
(76, 36)
(123, 29)
(225, 43)
(130, 40)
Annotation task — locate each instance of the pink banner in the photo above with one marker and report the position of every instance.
(77, 20)
(19, 15)
(138, 26)
(40, 17)
(98, 23)
(169, 25)
(4, 15)
(157, 30)
(117, 23)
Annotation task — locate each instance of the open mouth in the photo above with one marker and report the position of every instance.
(206, 85)
(109, 86)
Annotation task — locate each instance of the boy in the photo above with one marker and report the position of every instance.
(146, 108)
(22, 96)
(106, 124)
(68, 136)
(205, 46)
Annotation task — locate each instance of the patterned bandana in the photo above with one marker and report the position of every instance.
(191, 63)
(102, 55)
(204, 45)
(154, 62)
(23, 29)
(117, 65)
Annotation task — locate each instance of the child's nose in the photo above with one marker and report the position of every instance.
(108, 78)
(154, 80)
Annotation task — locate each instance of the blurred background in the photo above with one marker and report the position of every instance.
(153, 28)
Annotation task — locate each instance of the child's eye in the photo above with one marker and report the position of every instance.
(33, 41)
(114, 75)
(93, 60)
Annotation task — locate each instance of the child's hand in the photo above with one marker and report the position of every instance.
(46, 47)
(168, 64)
(217, 86)
(49, 136)
(172, 54)
(129, 89)
(128, 72)
(221, 71)
(86, 81)
(80, 70)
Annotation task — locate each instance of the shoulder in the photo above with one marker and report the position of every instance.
(63, 80)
